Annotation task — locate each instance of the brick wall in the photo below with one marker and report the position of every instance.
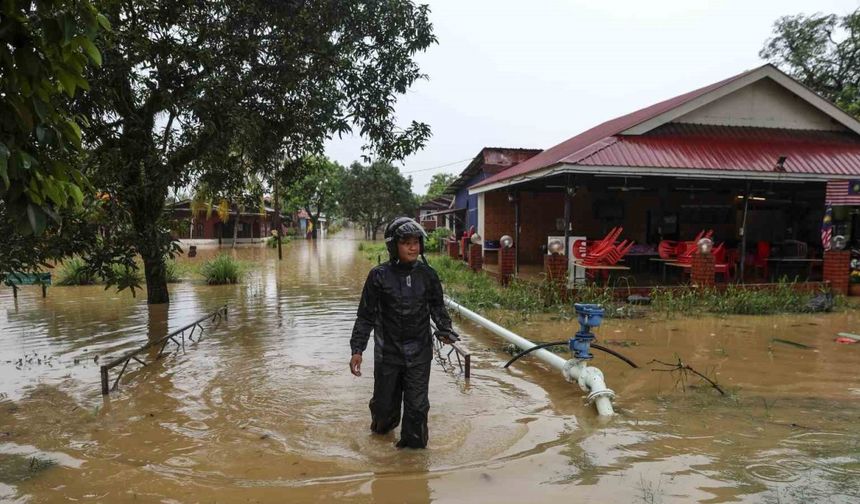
(702, 270)
(836, 270)
(476, 259)
(453, 249)
(555, 267)
(507, 262)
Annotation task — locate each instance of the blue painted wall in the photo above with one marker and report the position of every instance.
(463, 200)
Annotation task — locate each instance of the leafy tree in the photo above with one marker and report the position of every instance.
(45, 47)
(375, 194)
(438, 183)
(318, 190)
(821, 51)
(93, 231)
(186, 80)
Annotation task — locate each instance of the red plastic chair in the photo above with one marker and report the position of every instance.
(762, 253)
(667, 249)
(599, 246)
(721, 264)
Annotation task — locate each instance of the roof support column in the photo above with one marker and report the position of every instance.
(744, 232)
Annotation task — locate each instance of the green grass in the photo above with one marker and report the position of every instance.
(480, 291)
(734, 300)
(272, 242)
(74, 272)
(373, 251)
(223, 269)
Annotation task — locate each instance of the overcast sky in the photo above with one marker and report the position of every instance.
(533, 73)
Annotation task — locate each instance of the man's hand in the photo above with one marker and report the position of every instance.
(446, 337)
(355, 364)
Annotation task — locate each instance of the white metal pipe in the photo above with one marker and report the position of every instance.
(590, 379)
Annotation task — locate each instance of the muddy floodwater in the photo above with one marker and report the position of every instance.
(263, 408)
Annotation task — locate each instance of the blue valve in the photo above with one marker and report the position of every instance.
(589, 315)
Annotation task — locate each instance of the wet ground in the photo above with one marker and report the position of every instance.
(263, 409)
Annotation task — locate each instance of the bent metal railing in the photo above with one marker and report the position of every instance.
(463, 356)
(178, 337)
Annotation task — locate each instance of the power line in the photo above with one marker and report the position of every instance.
(436, 167)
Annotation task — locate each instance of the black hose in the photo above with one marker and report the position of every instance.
(593, 345)
(532, 349)
(613, 352)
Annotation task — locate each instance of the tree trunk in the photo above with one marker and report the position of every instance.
(235, 228)
(220, 232)
(156, 279)
(278, 220)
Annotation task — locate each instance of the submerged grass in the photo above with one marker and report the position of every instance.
(74, 272)
(223, 269)
(272, 241)
(784, 297)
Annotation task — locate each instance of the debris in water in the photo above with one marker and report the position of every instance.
(792, 343)
(821, 303)
(684, 369)
(851, 336)
(622, 343)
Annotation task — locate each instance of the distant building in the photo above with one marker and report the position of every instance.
(463, 212)
(253, 226)
(431, 214)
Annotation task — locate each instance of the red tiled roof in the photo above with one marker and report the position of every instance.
(601, 132)
(728, 148)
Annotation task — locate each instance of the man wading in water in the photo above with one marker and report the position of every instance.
(398, 299)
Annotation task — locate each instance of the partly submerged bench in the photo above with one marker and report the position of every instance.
(16, 278)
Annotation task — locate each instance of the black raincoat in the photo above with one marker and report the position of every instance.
(397, 304)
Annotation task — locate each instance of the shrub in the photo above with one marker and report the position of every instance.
(221, 270)
(74, 272)
(435, 239)
(125, 275)
(172, 271)
(272, 241)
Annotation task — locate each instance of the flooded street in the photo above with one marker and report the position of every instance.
(264, 409)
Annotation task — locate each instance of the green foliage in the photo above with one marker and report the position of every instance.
(439, 182)
(223, 269)
(375, 194)
(823, 52)
(172, 271)
(80, 234)
(436, 238)
(272, 241)
(318, 191)
(373, 251)
(228, 86)
(74, 271)
(45, 48)
(122, 274)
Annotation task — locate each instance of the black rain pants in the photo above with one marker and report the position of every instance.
(394, 384)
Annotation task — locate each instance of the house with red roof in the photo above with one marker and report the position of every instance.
(754, 158)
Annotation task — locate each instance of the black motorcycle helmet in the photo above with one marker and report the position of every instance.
(399, 228)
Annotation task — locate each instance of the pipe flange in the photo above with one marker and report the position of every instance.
(590, 398)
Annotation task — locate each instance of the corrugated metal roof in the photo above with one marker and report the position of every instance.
(729, 148)
(601, 132)
(705, 147)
